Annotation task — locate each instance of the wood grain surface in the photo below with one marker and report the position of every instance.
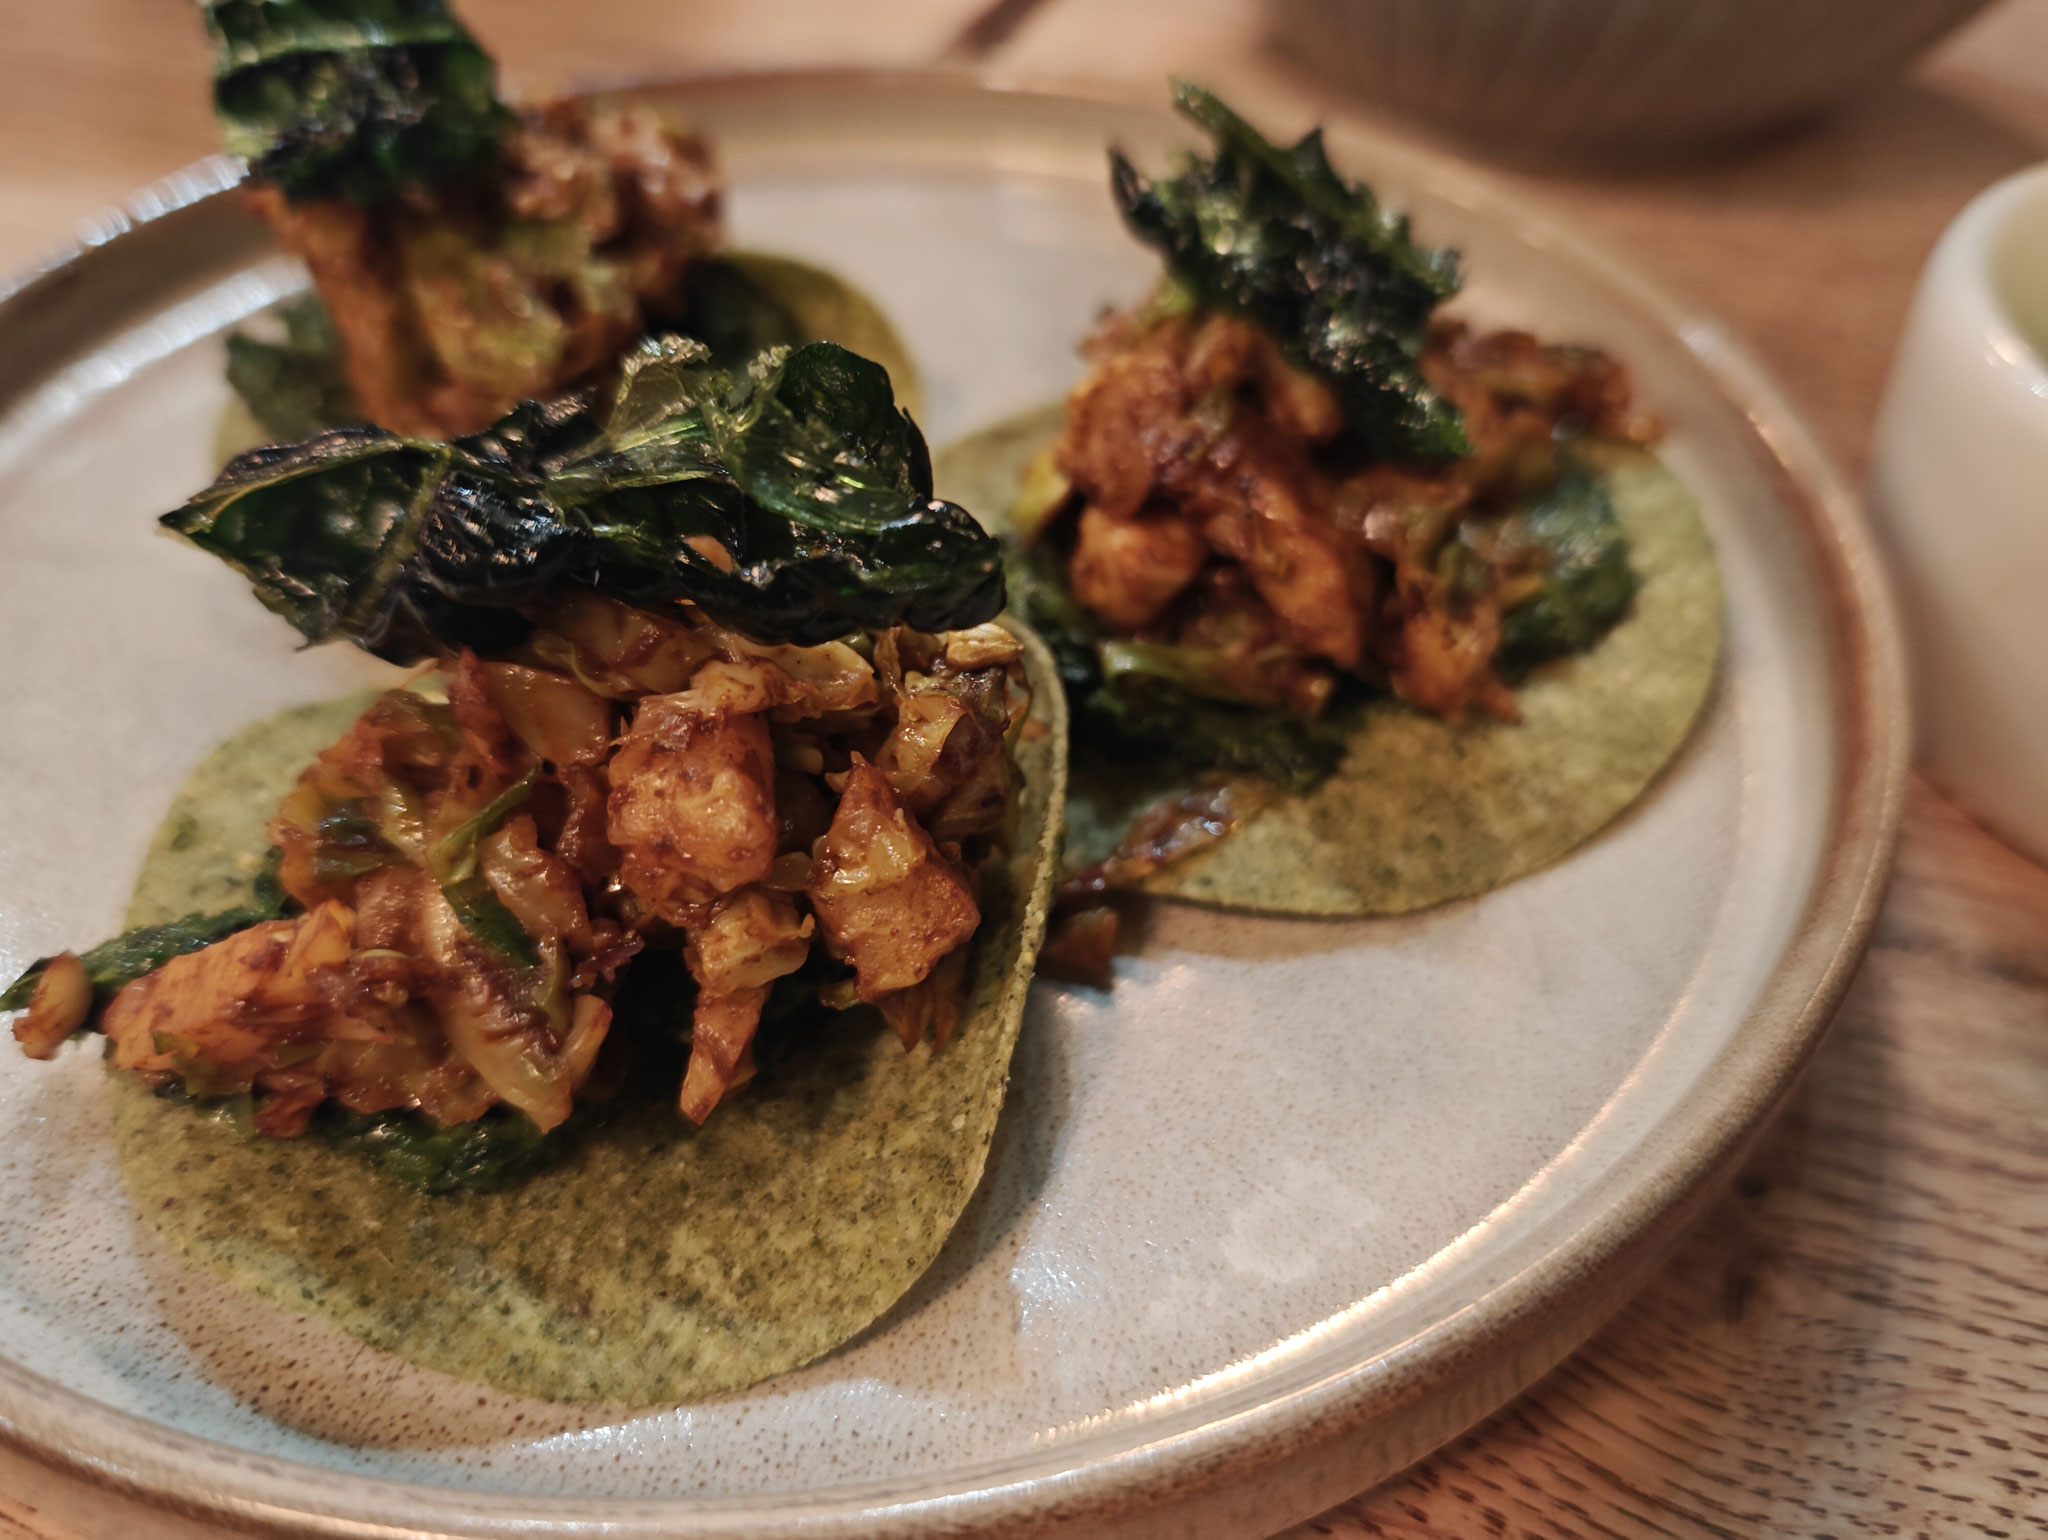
(1855, 1341)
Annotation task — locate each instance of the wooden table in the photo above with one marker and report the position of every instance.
(1855, 1342)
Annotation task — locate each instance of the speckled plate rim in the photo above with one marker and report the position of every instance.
(1319, 1441)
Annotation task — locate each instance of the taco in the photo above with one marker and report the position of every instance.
(621, 1011)
(466, 254)
(1359, 609)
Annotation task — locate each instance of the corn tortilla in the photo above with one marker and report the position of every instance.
(656, 1262)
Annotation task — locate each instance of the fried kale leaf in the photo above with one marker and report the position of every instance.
(351, 98)
(114, 964)
(1276, 236)
(487, 1154)
(294, 387)
(793, 503)
(734, 315)
(1587, 582)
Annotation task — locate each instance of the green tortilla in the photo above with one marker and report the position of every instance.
(1422, 811)
(657, 1262)
(825, 307)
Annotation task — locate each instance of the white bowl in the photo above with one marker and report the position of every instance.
(1627, 77)
(1959, 487)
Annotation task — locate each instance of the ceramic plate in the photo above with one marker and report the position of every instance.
(1291, 1205)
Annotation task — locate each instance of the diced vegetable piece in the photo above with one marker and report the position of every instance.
(538, 887)
(721, 1036)
(559, 719)
(59, 1007)
(888, 900)
(590, 1022)
(218, 1016)
(692, 804)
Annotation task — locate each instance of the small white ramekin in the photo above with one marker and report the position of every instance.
(1959, 490)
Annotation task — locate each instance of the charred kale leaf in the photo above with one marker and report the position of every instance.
(1129, 700)
(1153, 712)
(488, 1154)
(498, 1150)
(734, 316)
(296, 387)
(114, 964)
(794, 503)
(1587, 580)
(1276, 236)
(351, 98)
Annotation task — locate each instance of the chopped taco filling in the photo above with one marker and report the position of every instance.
(463, 879)
(720, 683)
(1287, 484)
(468, 256)
(1218, 536)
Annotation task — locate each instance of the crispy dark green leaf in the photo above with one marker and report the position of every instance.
(490, 1153)
(1275, 235)
(1588, 583)
(295, 387)
(794, 503)
(351, 98)
(116, 963)
(733, 315)
(323, 529)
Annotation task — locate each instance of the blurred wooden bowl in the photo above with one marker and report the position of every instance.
(1630, 79)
